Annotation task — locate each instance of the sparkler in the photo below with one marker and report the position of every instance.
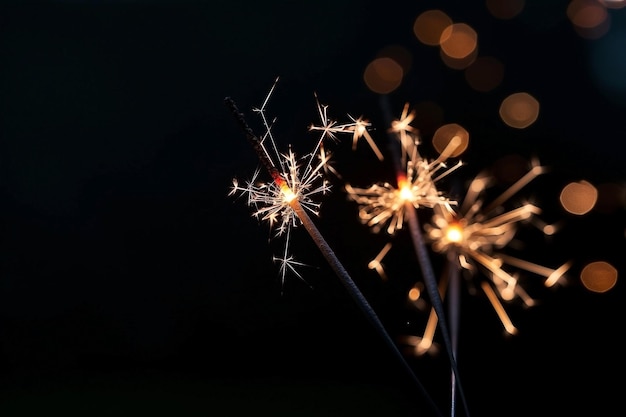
(471, 237)
(385, 205)
(287, 200)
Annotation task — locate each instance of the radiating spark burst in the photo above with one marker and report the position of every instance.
(293, 178)
(329, 128)
(472, 237)
(383, 206)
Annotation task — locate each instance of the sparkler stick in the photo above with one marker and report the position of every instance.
(324, 248)
(454, 299)
(426, 267)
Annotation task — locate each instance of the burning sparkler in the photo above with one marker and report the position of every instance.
(472, 237)
(383, 205)
(286, 201)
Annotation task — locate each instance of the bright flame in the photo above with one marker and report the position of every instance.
(288, 194)
(454, 233)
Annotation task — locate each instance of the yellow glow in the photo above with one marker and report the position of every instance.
(454, 233)
(288, 195)
(405, 193)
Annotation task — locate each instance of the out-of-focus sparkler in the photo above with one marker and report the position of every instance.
(286, 201)
(472, 237)
(385, 206)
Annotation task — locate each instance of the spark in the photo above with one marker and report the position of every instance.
(272, 200)
(357, 127)
(383, 205)
(402, 127)
(475, 233)
(294, 179)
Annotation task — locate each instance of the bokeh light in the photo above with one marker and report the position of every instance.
(589, 18)
(383, 75)
(598, 276)
(458, 41)
(429, 26)
(504, 9)
(444, 135)
(578, 197)
(519, 110)
(485, 73)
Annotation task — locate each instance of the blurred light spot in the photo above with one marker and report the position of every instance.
(484, 74)
(611, 197)
(549, 229)
(399, 54)
(444, 135)
(589, 18)
(519, 110)
(383, 75)
(458, 63)
(414, 294)
(458, 40)
(429, 25)
(578, 197)
(504, 9)
(598, 276)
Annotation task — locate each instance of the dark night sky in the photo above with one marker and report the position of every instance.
(131, 284)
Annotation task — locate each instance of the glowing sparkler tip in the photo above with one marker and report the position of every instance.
(288, 194)
(454, 233)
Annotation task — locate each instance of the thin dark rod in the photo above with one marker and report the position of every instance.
(329, 254)
(422, 256)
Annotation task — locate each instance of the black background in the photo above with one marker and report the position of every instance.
(131, 284)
